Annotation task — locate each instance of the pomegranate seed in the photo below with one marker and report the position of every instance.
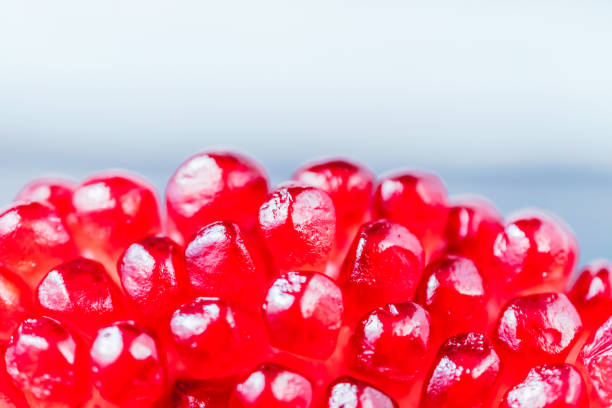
(272, 386)
(596, 358)
(80, 294)
(15, 302)
(463, 375)
(112, 210)
(56, 193)
(221, 263)
(303, 312)
(592, 293)
(455, 294)
(416, 200)
(215, 338)
(348, 392)
(298, 226)
(152, 273)
(539, 328)
(383, 266)
(349, 185)
(127, 367)
(48, 364)
(200, 394)
(214, 186)
(549, 386)
(472, 226)
(534, 252)
(33, 239)
(10, 397)
(392, 341)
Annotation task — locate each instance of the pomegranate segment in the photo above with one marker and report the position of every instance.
(297, 224)
(111, 211)
(418, 201)
(383, 265)
(303, 312)
(127, 365)
(33, 239)
(214, 186)
(272, 386)
(48, 364)
(549, 386)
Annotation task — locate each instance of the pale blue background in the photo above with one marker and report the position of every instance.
(508, 99)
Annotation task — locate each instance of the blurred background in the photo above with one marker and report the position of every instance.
(512, 100)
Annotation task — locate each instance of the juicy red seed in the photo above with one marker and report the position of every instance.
(221, 263)
(348, 392)
(272, 386)
(200, 394)
(10, 397)
(455, 294)
(383, 266)
(215, 338)
(33, 239)
(298, 226)
(349, 185)
(48, 363)
(596, 358)
(303, 312)
(56, 193)
(463, 375)
(81, 294)
(535, 251)
(152, 273)
(127, 366)
(15, 302)
(416, 200)
(549, 386)
(113, 210)
(214, 186)
(542, 327)
(592, 292)
(392, 341)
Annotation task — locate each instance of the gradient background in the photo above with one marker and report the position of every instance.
(513, 101)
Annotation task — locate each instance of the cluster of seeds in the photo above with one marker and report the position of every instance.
(331, 290)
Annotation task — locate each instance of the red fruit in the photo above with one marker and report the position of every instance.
(455, 294)
(349, 185)
(10, 397)
(272, 386)
(220, 263)
(392, 341)
(347, 392)
(33, 239)
(383, 266)
(15, 302)
(48, 364)
(152, 273)
(416, 200)
(535, 251)
(80, 294)
(596, 357)
(549, 386)
(56, 193)
(538, 328)
(592, 293)
(463, 375)
(215, 338)
(298, 226)
(199, 394)
(215, 186)
(303, 312)
(112, 210)
(472, 226)
(127, 367)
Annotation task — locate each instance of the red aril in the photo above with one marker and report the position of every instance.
(56, 193)
(596, 360)
(592, 293)
(33, 239)
(348, 392)
(214, 186)
(15, 302)
(190, 393)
